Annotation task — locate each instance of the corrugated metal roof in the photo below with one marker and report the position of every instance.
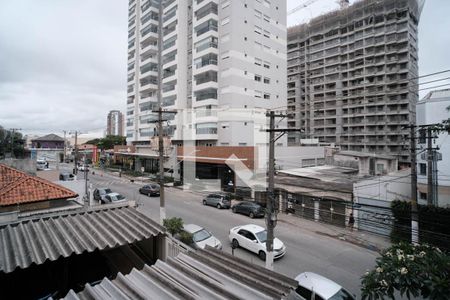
(50, 237)
(205, 274)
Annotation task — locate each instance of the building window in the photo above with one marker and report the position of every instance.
(242, 144)
(257, 78)
(423, 169)
(423, 196)
(258, 29)
(267, 65)
(258, 94)
(266, 96)
(266, 80)
(258, 61)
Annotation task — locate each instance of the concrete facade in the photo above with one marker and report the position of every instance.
(352, 76)
(430, 110)
(219, 64)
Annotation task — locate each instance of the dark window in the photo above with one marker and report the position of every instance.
(423, 169)
(305, 293)
(423, 196)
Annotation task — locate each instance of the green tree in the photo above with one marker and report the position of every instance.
(173, 225)
(6, 136)
(416, 271)
(108, 142)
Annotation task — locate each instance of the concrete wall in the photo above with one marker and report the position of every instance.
(26, 165)
(298, 157)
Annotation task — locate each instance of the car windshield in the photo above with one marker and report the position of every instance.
(342, 295)
(119, 197)
(201, 235)
(154, 186)
(262, 236)
(108, 191)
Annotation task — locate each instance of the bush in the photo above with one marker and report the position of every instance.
(434, 224)
(173, 225)
(186, 238)
(420, 270)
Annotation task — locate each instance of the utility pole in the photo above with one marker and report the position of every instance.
(64, 153)
(271, 215)
(414, 214)
(75, 160)
(430, 190)
(162, 201)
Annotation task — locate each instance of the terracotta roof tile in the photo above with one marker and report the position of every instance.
(18, 187)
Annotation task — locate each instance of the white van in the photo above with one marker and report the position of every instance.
(41, 164)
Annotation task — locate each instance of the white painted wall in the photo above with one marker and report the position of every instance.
(430, 111)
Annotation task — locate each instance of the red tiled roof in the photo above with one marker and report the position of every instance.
(18, 187)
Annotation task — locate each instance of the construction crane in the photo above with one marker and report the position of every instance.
(303, 5)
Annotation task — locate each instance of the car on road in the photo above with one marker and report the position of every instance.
(251, 209)
(100, 193)
(83, 168)
(253, 238)
(114, 198)
(219, 200)
(202, 237)
(315, 286)
(150, 189)
(66, 176)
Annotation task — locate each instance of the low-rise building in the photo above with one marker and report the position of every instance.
(432, 109)
(49, 147)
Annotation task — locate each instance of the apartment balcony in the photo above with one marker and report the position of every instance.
(169, 76)
(149, 35)
(169, 47)
(207, 65)
(145, 21)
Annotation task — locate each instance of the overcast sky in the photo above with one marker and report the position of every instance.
(63, 62)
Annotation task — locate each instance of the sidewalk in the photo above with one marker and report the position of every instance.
(359, 238)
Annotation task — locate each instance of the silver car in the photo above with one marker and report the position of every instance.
(218, 200)
(202, 237)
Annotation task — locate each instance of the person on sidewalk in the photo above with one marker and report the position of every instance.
(351, 221)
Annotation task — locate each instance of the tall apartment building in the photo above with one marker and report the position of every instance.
(114, 124)
(352, 76)
(217, 63)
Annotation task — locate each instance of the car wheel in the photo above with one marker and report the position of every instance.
(234, 209)
(251, 215)
(235, 244)
(218, 206)
(262, 255)
(204, 202)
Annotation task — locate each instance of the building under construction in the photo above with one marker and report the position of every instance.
(352, 76)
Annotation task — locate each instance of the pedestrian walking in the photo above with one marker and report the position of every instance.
(351, 221)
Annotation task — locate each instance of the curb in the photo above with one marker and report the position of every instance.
(343, 237)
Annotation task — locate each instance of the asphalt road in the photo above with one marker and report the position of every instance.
(306, 251)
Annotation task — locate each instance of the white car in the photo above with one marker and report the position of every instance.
(114, 198)
(202, 237)
(253, 238)
(314, 286)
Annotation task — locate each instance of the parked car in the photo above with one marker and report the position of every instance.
(83, 168)
(253, 238)
(66, 176)
(314, 286)
(150, 190)
(114, 198)
(219, 200)
(201, 237)
(250, 209)
(100, 193)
